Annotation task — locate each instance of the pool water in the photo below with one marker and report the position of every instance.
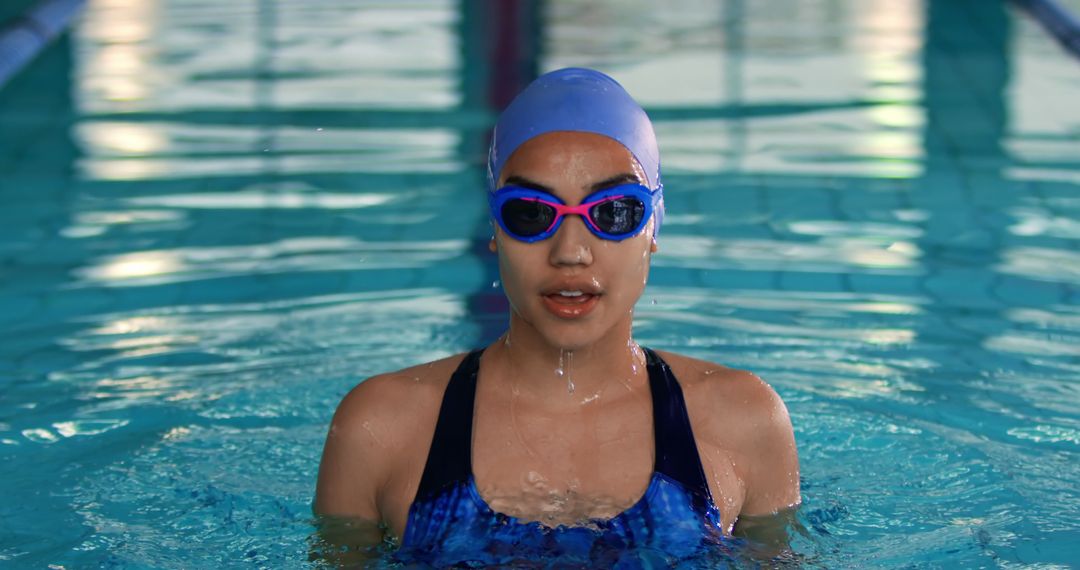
(219, 217)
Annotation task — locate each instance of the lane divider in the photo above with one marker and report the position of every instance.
(1062, 24)
(22, 38)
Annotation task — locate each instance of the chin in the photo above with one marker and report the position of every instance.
(570, 344)
(572, 336)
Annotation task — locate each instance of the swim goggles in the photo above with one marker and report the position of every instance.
(614, 213)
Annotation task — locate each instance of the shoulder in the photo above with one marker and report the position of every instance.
(378, 428)
(743, 415)
(738, 393)
(387, 408)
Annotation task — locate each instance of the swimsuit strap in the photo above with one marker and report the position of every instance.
(676, 451)
(449, 461)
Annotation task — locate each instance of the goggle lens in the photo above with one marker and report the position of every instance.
(527, 218)
(619, 216)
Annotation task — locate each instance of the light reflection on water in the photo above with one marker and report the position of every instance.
(265, 208)
(299, 254)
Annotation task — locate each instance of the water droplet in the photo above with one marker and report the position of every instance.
(653, 301)
(495, 284)
(569, 379)
(318, 130)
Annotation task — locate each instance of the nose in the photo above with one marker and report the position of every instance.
(571, 244)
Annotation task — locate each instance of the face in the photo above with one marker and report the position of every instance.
(573, 289)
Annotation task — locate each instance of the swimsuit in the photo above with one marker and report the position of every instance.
(450, 524)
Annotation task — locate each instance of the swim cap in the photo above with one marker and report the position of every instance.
(575, 99)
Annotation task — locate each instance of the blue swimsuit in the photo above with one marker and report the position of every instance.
(450, 524)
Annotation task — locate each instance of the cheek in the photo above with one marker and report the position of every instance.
(630, 271)
(514, 272)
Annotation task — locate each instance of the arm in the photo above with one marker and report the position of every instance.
(772, 459)
(772, 472)
(354, 467)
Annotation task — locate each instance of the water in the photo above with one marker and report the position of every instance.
(217, 219)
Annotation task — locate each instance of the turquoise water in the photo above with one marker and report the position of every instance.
(218, 217)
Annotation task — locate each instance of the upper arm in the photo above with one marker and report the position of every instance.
(768, 450)
(355, 462)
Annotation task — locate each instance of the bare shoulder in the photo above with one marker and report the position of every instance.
(390, 400)
(741, 393)
(376, 429)
(739, 412)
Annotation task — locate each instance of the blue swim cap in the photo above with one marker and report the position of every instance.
(575, 99)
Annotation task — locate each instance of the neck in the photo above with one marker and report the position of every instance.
(559, 376)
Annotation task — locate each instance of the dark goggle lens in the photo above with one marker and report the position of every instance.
(618, 217)
(527, 218)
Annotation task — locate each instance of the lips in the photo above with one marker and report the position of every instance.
(571, 301)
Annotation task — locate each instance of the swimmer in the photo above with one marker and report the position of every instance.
(564, 437)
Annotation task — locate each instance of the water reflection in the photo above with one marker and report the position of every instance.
(292, 255)
(859, 253)
(271, 198)
(1041, 264)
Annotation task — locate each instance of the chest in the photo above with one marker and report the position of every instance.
(566, 468)
(563, 469)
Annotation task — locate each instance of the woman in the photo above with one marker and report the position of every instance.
(564, 437)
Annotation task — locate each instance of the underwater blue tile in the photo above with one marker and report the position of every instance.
(826, 282)
(65, 305)
(988, 191)
(869, 206)
(721, 199)
(459, 274)
(956, 287)
(1072, 296)
(233, 289)
(33, 188)
(675, 276)
(740, 279)
(380, 279)
(142, 297)
(1017, 291)
(724, 233)
(886, 284)
(947, 196)
(958, 242)
(801, 203)
(19, 307)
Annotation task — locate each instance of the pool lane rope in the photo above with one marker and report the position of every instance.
(23, 37)
(1058, 21)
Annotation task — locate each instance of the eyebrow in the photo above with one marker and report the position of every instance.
(624, 178)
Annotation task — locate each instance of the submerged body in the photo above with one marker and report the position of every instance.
(564, 429)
